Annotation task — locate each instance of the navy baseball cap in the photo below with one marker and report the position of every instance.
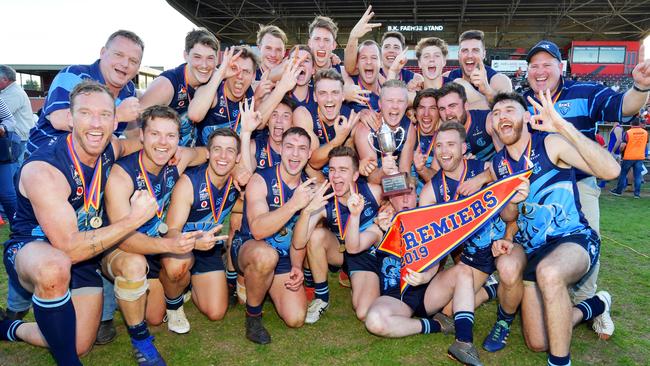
(546, 46)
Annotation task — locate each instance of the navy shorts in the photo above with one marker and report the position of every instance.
(238, 241)
(208, 260)
(364, 261)
(481, 259)
(153, 261)
(413, 297)
(587, 239)
(83, 274)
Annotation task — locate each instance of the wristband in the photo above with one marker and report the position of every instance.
(639, 89)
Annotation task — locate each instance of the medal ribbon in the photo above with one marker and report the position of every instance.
(233, 127)
(187, 84)
(430, 144)
(91, 196)
(461, 180)
(269, 158)
(362, 88)
(277, 174)
(147, 182)
(555, 98)
(527, 158)
(208, 184)
(322, 126)
(343, 229)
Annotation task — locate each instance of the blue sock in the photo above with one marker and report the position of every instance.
(559, 361)
(491, 291)
(254, 310)
(591, 308)
(58, 323)
(309, 279)
(464, 322)
(322, 291)
(8, 330)
(231, 278)
(502, 315)
(429, 326)
(138, 332)
(174, 304)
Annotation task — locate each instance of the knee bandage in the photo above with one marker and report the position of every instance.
(130, 290)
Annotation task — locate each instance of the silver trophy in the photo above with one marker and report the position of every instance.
(393, 184)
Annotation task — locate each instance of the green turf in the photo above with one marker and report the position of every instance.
(339, 339)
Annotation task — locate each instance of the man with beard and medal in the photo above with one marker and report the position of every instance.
(201, 201)
(146, 259)
(176, 87)
(261, 251)
(554, 247)
(482, 142)
(54, 248)
(349, 214)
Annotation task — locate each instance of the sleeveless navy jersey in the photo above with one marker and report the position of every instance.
(201, 216)
(275, 198)
(493, 230)
(225, 114)
(373, 102)
(584, 105)
(479, 142)
(58, 97)
(612, 142)
(25, 226)
(183, 94)
(400, 141)
(458, 74)
(370, 209)
(308, 102)
(404, 75)
(323, 131)
(425, 143)
(265, 156)
(162, 186)
(552, 208)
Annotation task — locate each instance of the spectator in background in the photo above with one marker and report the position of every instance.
(18, 103)
(634, 152)
(614, 146)
(7, 161)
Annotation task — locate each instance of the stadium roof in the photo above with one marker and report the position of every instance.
(506, 24)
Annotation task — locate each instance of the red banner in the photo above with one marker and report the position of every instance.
(424, 235)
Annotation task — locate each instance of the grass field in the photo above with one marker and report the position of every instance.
(339, 339)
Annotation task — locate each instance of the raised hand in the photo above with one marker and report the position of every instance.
(384, 219)
(303, 194)
(367, 166)
(183, 243)
(208, 239)
(522, 191)
(398, 64)
(291, 71)
(128, 110)
(143, 205)
(355, 202)
(641, 72)
(319, 200)
(228, 67)
(250, 119)
(353, 93)
(419, 160)
(343, 126)
(478, 77)
(264, 86)
(371, 119)
(547, 119)
(362, 27)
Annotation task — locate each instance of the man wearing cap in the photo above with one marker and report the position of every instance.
(584, 105)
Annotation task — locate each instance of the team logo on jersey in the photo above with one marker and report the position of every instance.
(276, 200)
(368, 211)
(203, 192)
(564, 107)
(262, 162)
(80, 191)
(204, 204)
(275, 188)
(480, 141)
(503, 167)
(390, 269)
(232, 195)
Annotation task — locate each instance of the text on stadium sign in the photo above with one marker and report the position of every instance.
(415, 28)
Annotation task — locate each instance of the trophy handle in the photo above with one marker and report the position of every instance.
(401, 130)
(372, 135)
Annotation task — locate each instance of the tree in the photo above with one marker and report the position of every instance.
(31, 85)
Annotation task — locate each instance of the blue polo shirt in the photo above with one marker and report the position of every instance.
(584, 105)
(58, 97)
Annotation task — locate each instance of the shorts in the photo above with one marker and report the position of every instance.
(208, 260)
(238, 241)
(481, 259)
(364, 261)
(413, 297)
(587, 239)
(83, 274)
(153, 261)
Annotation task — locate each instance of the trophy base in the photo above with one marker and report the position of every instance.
(394, 184)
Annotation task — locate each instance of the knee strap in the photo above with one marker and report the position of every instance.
(130, 290)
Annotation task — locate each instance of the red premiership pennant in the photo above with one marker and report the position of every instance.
(424, 235)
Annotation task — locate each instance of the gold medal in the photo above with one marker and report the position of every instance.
(163, 228)
(96, 222)
(341, 248)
